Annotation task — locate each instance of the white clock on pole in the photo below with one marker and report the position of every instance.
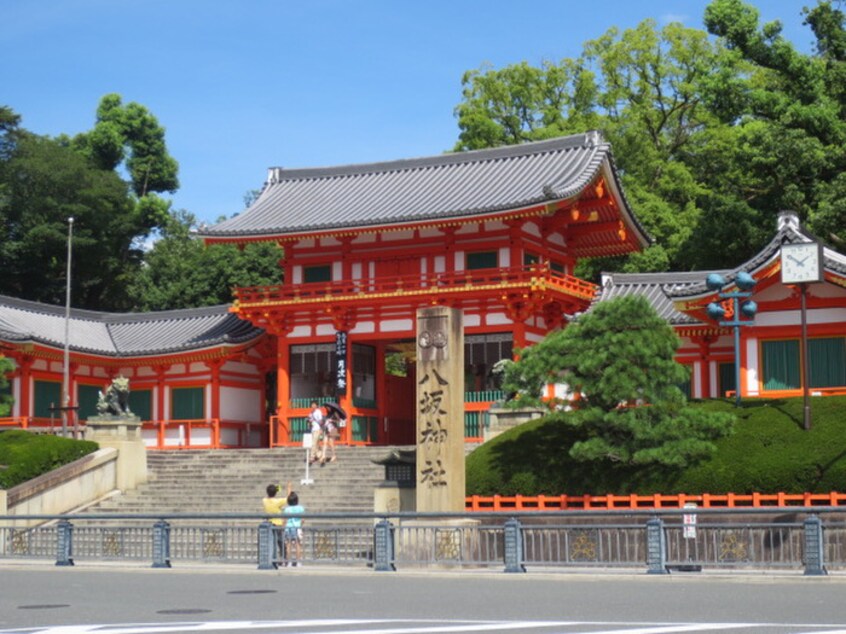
(801, 263)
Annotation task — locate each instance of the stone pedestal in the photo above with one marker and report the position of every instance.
(122, 433)
(502, 419)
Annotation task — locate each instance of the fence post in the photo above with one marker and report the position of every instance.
(513, 538)
(161, 544)
(814, 546)
(64, 543)
(383, 546)
(266, 547)
(656, 547)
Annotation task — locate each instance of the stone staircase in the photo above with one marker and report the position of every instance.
(234, 481)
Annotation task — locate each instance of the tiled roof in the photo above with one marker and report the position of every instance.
(122, 334)
(661, 289)
(445, 186)
(789, 231)
(656, 288)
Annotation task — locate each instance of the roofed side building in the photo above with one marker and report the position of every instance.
(771, 353)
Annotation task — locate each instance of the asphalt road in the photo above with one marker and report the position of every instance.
(79, 600)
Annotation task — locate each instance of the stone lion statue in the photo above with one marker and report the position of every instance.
(115, 400)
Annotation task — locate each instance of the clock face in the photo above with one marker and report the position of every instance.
(801, 262)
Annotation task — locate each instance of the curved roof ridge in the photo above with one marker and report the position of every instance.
(123, 334)
(459, 185)
(589, 139)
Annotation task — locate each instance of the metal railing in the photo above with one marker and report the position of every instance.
(810, 540)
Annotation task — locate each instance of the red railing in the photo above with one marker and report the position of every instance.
(655, 501)
(533, 276)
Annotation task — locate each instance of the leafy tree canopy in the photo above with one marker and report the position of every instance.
(619, 359)
(44, 181)
(181, 272)
(713, 137)
(6, 367)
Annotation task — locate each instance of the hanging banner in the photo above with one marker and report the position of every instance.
(340, 363)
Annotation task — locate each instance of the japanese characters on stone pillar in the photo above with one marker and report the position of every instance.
(440, 410)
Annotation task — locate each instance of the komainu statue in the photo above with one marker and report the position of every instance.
(115, 401)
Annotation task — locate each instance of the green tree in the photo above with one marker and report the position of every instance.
(44, 181)
(792, 110)
(6, 400)
(713, 137)
(619, 359)
(181, 272)
(644, 88)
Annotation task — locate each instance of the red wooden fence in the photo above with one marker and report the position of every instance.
(659, 501)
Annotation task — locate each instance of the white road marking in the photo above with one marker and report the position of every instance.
(419, 626)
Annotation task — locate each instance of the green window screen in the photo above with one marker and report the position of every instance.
(45, 394)
(187, 403)
(781, 365)
(530, 258)
(87, 396)
(317, 273)
(727, 378)
(482, 260)
(558, 267)
(828, 361)
(141, 403)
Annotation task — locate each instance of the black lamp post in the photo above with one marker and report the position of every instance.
(741, 306)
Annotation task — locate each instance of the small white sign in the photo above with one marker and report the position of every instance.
(308, 441)
(689, 530)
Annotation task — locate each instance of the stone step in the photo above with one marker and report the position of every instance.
(234, 480)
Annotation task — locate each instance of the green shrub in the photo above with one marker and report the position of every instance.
(24, 455)
(769, 452)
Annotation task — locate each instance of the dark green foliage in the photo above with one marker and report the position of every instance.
(713, 137)
(768, 452)
(24, 456)
(6, 400)
(181, 272)
(620, 358)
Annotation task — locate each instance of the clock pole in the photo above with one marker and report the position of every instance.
(806, 365)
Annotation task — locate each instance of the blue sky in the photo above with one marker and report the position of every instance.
(243, 85)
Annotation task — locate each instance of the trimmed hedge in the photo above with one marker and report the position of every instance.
(24, 455)
(768, 452)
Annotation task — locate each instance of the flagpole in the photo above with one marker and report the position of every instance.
(66, 368)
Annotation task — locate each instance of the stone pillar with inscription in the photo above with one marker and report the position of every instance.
(440, 410)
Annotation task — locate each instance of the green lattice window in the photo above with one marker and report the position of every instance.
(828, 361)
(322, 273)
(187, 403)
(482, 260)
(141, 403)
(727, 378)
(45, 395)
(781, 367)
(87, 397)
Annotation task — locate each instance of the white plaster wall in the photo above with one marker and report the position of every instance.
(752, 367)
(396, 325)
(364, 327)
(440, 264)
(458, 263)
(471, 320)
(297, 274)
(300, 331)
(696, 384)
(240, 404)
(714, 379)
(497, 319)
(505, 257)
(794, 317)
(337, 271)
(393, 236)
(240, 367)
(325, 329)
